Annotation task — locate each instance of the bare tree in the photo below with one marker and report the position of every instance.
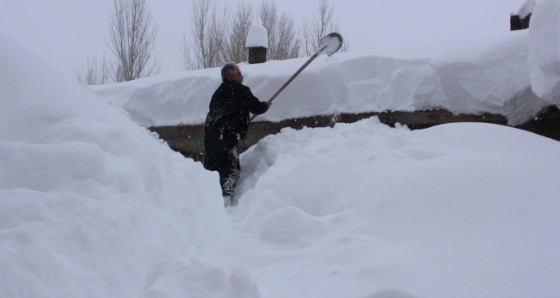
(240, 23)
(282, 39)
(316, 29)
(216, 39)
(95, 73)
(205, 47)
(132, 40)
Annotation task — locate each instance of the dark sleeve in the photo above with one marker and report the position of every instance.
(255, 105)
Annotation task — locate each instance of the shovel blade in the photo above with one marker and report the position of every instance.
(330, 43)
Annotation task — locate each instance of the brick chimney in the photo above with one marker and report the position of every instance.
(257, 43)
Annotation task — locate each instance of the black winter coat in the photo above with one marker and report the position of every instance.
(230, 107)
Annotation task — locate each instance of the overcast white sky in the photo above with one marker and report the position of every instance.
(65, 32)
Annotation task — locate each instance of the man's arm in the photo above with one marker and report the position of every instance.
(256, 106)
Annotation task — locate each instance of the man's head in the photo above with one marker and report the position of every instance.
(231, 71)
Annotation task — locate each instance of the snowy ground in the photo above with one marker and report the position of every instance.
(462, 210)
(93, 205)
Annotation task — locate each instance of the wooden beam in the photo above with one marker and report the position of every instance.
(189, 139)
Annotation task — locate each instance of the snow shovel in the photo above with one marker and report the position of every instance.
(329, 45)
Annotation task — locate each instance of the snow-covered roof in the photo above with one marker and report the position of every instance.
(526, 8)
(473, 79)
(481, 76)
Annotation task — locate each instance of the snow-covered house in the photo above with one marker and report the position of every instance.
(511, 80)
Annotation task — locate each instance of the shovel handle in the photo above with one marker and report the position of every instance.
(290, 80)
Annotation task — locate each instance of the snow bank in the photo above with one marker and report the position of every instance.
(365, 210)
(545, 50)
(91, 204)
(475, 78)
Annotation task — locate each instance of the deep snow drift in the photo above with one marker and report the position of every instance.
(461, 210)
(93, 205)
(544, 51)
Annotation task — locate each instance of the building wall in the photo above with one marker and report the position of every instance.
(189, 139)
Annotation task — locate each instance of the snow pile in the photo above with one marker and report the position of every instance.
(257, 35)
(526, 9)
(364, 210)
(545, 50)
(486, 78)
(91, 204)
